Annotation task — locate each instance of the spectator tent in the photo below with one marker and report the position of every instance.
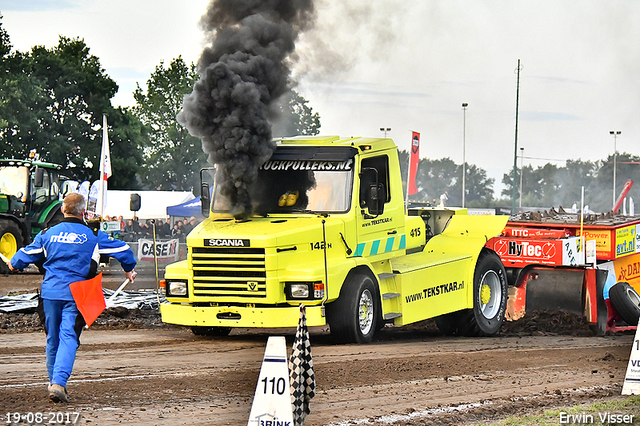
(186, 209)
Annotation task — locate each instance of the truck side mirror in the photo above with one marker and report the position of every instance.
(134, 202)
(205, 199)
(376, 199)
(38, 178)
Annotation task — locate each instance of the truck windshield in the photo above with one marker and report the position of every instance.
(284, 191)
(13, 180)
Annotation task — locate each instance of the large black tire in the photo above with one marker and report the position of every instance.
(210, 331)
(354, 316)
(10, 238)
(489, 298)
(626, 301)
(449, 324)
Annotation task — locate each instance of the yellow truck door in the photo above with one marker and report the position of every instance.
(379, 233)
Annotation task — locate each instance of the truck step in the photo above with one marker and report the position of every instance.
(386, 275)
(391, 316)
(387, 296)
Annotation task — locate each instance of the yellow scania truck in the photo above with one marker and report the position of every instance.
(330, 231)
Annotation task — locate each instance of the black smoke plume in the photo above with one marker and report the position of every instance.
(242, 74)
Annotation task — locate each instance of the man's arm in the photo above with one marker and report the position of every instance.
(29, 254)
(120, 251)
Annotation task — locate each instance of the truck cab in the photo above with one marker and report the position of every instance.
(329, 230)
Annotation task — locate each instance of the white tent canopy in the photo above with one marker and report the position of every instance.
(153, 204)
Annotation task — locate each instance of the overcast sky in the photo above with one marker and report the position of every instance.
(408, 65)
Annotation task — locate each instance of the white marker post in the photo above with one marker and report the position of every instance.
(272, 400)
(632, 379)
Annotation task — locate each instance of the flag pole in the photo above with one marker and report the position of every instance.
(117, 292)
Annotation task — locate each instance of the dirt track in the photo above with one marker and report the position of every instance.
(167, 376)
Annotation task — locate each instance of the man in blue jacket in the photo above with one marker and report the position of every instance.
(71, 252)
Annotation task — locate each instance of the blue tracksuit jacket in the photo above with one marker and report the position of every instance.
(68, 249)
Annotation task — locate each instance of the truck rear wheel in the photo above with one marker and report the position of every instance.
(210, 331)
(10, 238)
(354, 316)
(626, 301)
(489, 297)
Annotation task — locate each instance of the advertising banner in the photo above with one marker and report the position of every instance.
(519, 252)
(603, 242)
(625, 241)
(165, 250)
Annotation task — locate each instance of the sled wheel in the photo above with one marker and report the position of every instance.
(448, 324)
(626, 301)
(489, 297)
(354, 316)
(10, 238)
(210, 331)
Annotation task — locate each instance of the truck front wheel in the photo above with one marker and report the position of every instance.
(489, 297)
(353, 317)
(10, 238)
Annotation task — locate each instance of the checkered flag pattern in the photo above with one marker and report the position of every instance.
(302, 377)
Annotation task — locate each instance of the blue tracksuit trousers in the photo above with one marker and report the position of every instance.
(63, 338)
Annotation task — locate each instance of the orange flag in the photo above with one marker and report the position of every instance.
(89, 298)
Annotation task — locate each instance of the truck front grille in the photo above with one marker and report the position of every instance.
(228, 271)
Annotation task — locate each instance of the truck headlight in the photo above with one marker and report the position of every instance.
(304, 290)
(300, 291)
(176, 287)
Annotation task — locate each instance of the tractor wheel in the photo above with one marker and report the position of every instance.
(10, 238)
(626, 301)
(489, 298)
(210, 331)
(354, 316)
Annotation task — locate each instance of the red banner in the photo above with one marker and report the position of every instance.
(413, 164)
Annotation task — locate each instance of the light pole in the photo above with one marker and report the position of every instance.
(615, 154)
(464, 160)
(521, 172)
(385, 130)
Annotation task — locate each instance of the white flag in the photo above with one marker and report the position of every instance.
(105, 169)
(105, 157)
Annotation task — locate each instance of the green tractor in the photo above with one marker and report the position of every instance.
(30, 193)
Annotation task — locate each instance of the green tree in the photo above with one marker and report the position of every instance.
(59, 96)
(126, 136)
(296, 117)
(600, 193)
(437, 177)
(172, 157)
(18, 90)
(5, 50)
(551, 186)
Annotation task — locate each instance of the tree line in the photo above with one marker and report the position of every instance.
(544, 186)
(52, 101)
